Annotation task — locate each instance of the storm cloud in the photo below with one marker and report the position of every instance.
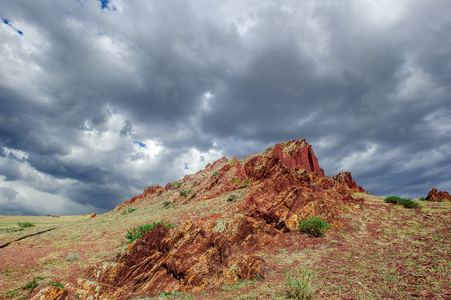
(99, 99)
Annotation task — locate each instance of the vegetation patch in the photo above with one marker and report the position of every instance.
(182, 193)
(242, 184)
(313, 226)
(299, 284)
(128, 211)
(57, 284)
(137, 232)
(31, 285)
(406, 202)
(214, 174)
(177, 184)
(166, 203)
(25, 224)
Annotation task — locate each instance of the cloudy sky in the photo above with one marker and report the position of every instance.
(99, 99)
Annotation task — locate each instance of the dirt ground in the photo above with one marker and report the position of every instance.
(384, 251)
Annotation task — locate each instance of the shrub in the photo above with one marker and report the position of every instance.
(299, 284)
(58, 284)
(31, 285)
(406, 202)
(185, 192)
(422, 199)
(214, 174)
(72, 257)
(177, 184)
(127, 211)
(313, 227)
(137, 232)
(25, 224)
(166, 203)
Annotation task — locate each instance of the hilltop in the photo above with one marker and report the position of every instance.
(233, 231)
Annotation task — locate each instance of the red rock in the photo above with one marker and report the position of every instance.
(345, 179)
(436, 196)
(277, 187)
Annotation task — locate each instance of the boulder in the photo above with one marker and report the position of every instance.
(436, 196)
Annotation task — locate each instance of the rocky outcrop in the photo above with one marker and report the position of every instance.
(265, 195)
(436, 196)
(345, 179)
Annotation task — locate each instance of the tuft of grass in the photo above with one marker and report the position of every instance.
(214, 174)
(128, 211)
(57, 284)
(25, 224)
(137, 232)
(406, 202)
(186, 192)
(313, 226)
(72, 257)
(32, 285)
(299, 284)
(176, 184)
(166, 203)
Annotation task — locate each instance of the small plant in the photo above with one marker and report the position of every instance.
(214, 174)
(313, 227)
(406, 202)
(166, 203)
(299, 284)
(11, 293)
(242, 184)
(57, 284)
(176, 184)
(31, 285)
(127, 211)
(72, 257)
(422, 199)
(183, 193)
(137, 232)
(25, 224)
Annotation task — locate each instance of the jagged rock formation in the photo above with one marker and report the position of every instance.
(436, 196)
(264, 195)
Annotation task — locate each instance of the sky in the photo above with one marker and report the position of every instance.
(99, 99)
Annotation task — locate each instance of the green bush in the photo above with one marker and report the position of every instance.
(25, 224)
(185, 192)
(313, 226)
(214, 174)
(137, 232)
(166, 203)
(58, 284)
(406, 202)
(127, 211)
(299, 284)
(31, 285)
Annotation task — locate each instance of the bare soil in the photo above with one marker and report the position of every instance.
(383, 251)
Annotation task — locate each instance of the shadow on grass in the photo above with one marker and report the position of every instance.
(26, 236)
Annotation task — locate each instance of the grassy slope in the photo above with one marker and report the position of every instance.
(384, 251)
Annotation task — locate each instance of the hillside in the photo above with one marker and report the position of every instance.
(233, 236)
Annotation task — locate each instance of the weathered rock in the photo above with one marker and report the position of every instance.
(267, 194)
(436, 196)
(345, 179)
(51, 292)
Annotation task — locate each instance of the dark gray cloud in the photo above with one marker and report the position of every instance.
(99, 99)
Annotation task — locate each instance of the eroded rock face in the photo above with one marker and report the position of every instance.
(436, 196)
(276, 188)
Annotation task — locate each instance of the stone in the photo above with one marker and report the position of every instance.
(436, 196)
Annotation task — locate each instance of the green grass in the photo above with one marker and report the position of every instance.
(300, 284)
(128, 211)
(186, 192)
(31, 285)
(313, 226)
(57, 284)
(406, 202)
(214, 174)
(166, 203)
(137, 232)
(25, 224)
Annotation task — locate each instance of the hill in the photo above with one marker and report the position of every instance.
(232, 236)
